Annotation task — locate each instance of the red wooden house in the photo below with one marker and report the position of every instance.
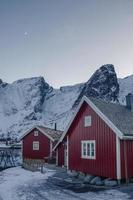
(99, 139)
(38, 142)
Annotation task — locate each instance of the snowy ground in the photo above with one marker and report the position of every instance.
(19, 184)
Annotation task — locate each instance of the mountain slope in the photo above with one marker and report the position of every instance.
(27, 102)
(32, 101)
(103, 84)
(126, 86)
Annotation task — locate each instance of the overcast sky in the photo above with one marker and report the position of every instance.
(64, 40)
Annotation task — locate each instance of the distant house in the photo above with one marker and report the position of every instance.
(99, 139)
(38, 142)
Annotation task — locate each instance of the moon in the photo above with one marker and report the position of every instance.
(25, 33)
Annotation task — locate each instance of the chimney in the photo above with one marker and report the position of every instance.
(55, 127)
(129, 101)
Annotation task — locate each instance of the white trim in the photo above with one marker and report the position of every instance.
(35, 146)
(118, 158)
(57, 157)
(127, 137)
(69, 124)
(82, 149)
(87, 121)
(27, 132)
(67, 152)
(102, 116)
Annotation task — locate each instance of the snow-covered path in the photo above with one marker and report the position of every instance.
(19, 184)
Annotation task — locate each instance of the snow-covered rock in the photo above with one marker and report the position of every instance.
(96, 180)
(109, 182)
(72, 173)
(103, 84)
(32, 101)
(88, 178)
(81, 176)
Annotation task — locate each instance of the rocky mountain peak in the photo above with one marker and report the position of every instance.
(31, 101)
(102, 84)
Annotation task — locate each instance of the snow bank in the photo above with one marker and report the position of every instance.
(13, 178)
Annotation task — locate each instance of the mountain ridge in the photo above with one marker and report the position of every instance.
(32, 101)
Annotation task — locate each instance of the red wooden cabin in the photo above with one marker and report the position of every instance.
(98, 140)
(38, 142)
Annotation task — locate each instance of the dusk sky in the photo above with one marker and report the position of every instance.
(64, 40)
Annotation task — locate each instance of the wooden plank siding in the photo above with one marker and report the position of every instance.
(44, 146)
(61, 155)
(105, 162)
(129, 153)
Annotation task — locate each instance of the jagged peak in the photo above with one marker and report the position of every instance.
(102, 84)
(34, 79)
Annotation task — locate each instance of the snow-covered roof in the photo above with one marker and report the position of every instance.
(55, 134)
(52, 134)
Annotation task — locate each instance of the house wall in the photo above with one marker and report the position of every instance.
(105, 162)
(126, 146)
(44, 146)
(61, 154)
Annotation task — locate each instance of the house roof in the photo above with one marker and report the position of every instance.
(52, 134)
(55, 134)
(116, 116)
(119, 115)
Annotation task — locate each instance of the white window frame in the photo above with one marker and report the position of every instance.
(87, 121)
(84, 153)
(36, 133)
(35, 145)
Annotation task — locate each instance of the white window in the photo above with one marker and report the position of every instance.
(36, 145)
(87, 121)
(88, 149)
(36, 133)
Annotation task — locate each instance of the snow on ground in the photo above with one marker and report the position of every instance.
(17, 183)
(11, 179)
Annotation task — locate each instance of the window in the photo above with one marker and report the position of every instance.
(36, 133)
(36, 145)
(88, 149)
(87, 121)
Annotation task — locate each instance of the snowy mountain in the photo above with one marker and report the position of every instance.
(126, 86)
(32, 101)
(27, 102)
(103, 84)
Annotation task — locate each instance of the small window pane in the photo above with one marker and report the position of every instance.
(87, 121)
(84, 149)
(88, 149)
(35, 133)
(35, 145)
(92, 149)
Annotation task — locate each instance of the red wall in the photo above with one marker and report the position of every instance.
(61, 155)
(105, 162)
(44, 147)
(129, 150)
